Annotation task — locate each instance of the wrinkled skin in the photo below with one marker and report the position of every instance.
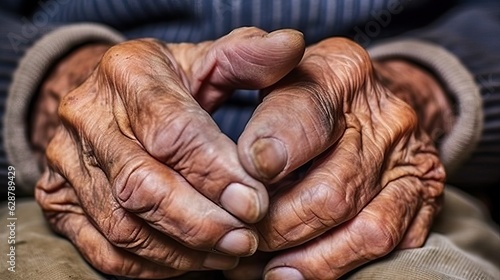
(373, 180)
(139, 177)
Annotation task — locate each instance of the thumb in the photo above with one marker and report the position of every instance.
(246, 58)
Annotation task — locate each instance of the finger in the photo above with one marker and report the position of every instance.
(334, 191)
(54, 194)
(304, 114)
(419, 229)
(104, 256)
(373, 233)
(160, 114)
(331, 192)
(61, 207)
(421, 225)
(246, 58)
(151, 190)
(121, 228)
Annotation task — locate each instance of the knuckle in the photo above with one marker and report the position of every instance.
(180, 136)
(140, 189)
(318, 208)
(127, 56)
(109, 260)
(70, 107)
(177, 260)
(399, 125)
(118, 56)
(378, 235)
(112, 266)
(196, 235)
(48, 190)
(325, 205)
(58, 150)
(351, 63)
(132, 185)
(123, 233)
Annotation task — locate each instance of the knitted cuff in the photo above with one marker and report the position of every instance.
(26, 80)
(458, 145)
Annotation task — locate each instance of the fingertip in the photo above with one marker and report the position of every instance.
(283, 49)
(283, 272)
(292, 39)
(265, 158)
(247, 203)
(239, 242)
(269, 156)
(254, 59)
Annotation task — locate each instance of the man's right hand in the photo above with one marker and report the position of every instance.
(139, 177)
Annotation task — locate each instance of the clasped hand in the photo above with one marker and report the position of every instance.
(144, 184)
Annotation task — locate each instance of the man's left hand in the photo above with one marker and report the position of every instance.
(375, 180)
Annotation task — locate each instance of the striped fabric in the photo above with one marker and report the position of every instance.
(198, 20)
(195, 20)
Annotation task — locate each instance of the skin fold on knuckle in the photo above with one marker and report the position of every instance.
(373, 237)
(122, 232)
(126, 231)
(318, 208)
(56, 197)
(185, 128)
(123, 56)
(75, 109)
(104, 256)
(111, 266)
(134, 187)
(388, 121)
(176, 259)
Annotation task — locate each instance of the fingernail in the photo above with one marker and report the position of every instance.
(286, 34)
(218, 261)
(284, 273)
(239, 242)
(290, 39)
(243, 202)
(269, 157)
